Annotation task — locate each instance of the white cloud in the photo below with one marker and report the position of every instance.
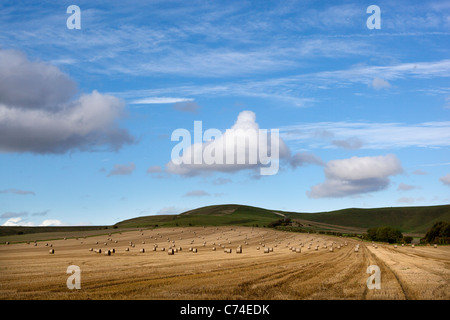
(160, 100)
(445, 179)
(36, 114)
(375, 135)
(356, 175)
(16, 222)
(20, 222)
(241, 131)
(51, 222)
(379, 84)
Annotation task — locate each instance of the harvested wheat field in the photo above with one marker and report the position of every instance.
(272, 265)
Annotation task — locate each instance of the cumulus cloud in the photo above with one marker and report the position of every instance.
(32, 84)
(445, 179)
(242, 142)
(122, 169)
(356, 175)
(18, 191)
(196, 193)
(14, 222)
(37, 115)
(379, 84)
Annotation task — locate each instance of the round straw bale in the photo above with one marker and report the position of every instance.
(170, 252)
(51, 251)
(239, 250)
(298, 250)
(142, 250)
(91, 249)
(412, 246)
(331, 249)
(107, 252)
(194, 250)
(214, 249)
(127, 249)
(266, 250)
(435, 245)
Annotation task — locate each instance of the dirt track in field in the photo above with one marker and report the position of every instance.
(30, 272)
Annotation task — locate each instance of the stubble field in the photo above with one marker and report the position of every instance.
(30, 272)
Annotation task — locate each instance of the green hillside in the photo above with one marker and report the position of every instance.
(406, 219)
(220, 215)
(412, 220)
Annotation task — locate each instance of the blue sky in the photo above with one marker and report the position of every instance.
(86, 115)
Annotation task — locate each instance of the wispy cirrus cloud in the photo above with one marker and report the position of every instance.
(369, 135)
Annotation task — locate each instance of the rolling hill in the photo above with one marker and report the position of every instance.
(407, 219)
(410, 220)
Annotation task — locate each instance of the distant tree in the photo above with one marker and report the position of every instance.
(384, 234)
(407, 239)
(439, 233)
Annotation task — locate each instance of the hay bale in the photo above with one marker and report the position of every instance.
(435, 245)
(51, 251)
(356, 249)
(163, 249)
(257, 248)
(142, 250)
(270, 249)
(412, 246)
(298, 250)
(239, 250)
(395, 246)
(127, 249)
(331, 249)
(170, 252)
(107, 252)
(214, 249)
(194, 250)
(266, 250)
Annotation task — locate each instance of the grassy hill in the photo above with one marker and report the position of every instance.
(220, 215)
(409, 220)
(406, 219)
